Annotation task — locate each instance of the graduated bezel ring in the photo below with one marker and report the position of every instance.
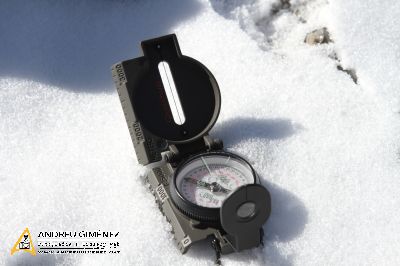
(192, 210)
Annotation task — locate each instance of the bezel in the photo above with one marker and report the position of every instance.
(191, 209)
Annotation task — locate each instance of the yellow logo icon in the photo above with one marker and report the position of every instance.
(25, 244)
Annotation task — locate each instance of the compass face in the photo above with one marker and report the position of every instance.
(208, 180)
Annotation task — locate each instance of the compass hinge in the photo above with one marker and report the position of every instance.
(177, 152)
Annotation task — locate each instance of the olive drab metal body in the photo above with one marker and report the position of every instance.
(175, 146)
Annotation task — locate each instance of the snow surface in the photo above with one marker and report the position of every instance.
(327, 149)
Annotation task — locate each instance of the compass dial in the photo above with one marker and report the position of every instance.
(209, 179)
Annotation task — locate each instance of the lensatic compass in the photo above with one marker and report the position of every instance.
(171, 102)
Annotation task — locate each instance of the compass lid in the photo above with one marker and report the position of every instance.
(168, 98)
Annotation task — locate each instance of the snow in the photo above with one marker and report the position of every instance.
(326, 148)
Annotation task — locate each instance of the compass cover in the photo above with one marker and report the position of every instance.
(196, 88)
